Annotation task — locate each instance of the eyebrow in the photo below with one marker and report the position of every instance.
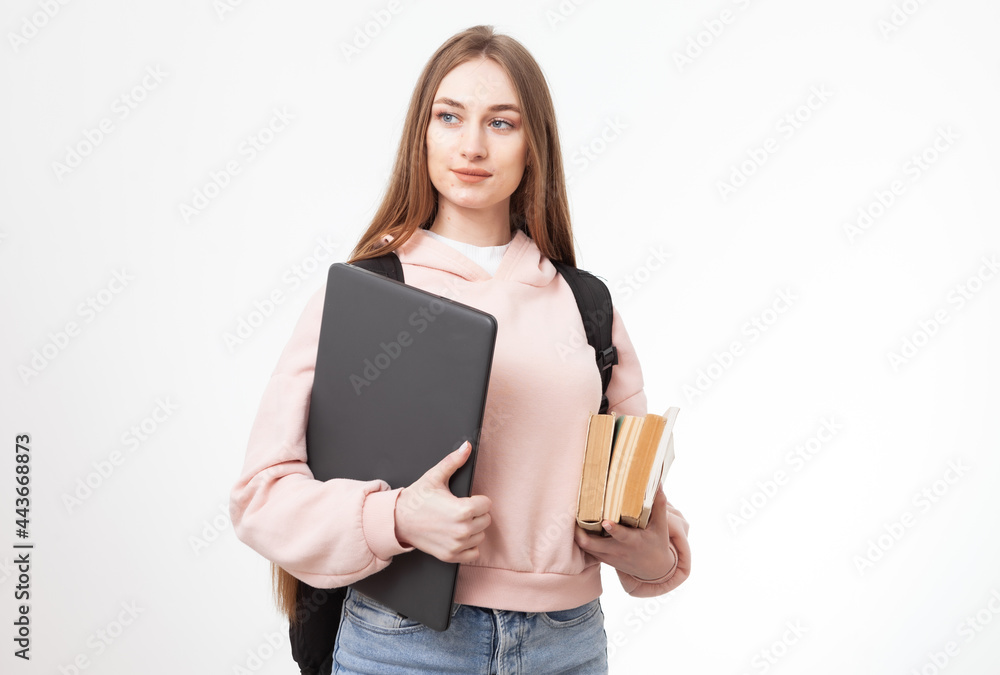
(493, 108)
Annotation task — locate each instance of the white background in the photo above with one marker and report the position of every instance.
(815, 546)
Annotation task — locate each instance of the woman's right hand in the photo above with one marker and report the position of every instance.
(429, 517)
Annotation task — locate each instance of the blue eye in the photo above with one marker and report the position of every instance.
(442, 115)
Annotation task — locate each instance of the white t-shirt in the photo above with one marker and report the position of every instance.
(487, 257)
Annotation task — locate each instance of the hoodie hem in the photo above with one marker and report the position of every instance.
(497, 588)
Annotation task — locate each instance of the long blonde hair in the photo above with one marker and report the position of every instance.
(538, 206)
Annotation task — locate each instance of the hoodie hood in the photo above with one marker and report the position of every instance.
(522, 261)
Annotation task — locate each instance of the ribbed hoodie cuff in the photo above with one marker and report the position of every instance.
(378, 520)
(666, 576)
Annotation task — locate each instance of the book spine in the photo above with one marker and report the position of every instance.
(627, 520)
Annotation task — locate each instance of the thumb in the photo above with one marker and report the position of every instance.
(442, 471)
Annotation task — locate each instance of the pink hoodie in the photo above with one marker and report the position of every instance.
(544, 384)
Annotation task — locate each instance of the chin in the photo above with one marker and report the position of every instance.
(469, 197)
(472, 203)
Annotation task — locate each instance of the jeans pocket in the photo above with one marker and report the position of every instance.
(564, 618)
(372, 615)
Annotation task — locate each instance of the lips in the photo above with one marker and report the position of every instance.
(473, 172)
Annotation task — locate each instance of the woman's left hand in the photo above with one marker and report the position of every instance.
(643, 553)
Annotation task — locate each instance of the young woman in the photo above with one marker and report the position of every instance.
(476, 209)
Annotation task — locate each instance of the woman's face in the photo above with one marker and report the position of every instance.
(476, 125)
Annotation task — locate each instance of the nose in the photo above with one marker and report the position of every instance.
(473, 144)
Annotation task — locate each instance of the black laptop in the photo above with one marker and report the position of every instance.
(401, 381)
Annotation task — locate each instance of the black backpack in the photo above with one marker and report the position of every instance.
(319, 609)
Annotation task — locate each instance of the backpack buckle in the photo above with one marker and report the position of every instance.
(607, 358)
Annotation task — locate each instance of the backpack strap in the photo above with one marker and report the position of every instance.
(594, 300)
(387, 265)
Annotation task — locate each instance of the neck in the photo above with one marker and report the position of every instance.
(479, 227)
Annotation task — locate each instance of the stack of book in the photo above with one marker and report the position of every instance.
(626, 459)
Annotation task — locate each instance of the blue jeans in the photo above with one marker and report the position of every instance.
(375, 639)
